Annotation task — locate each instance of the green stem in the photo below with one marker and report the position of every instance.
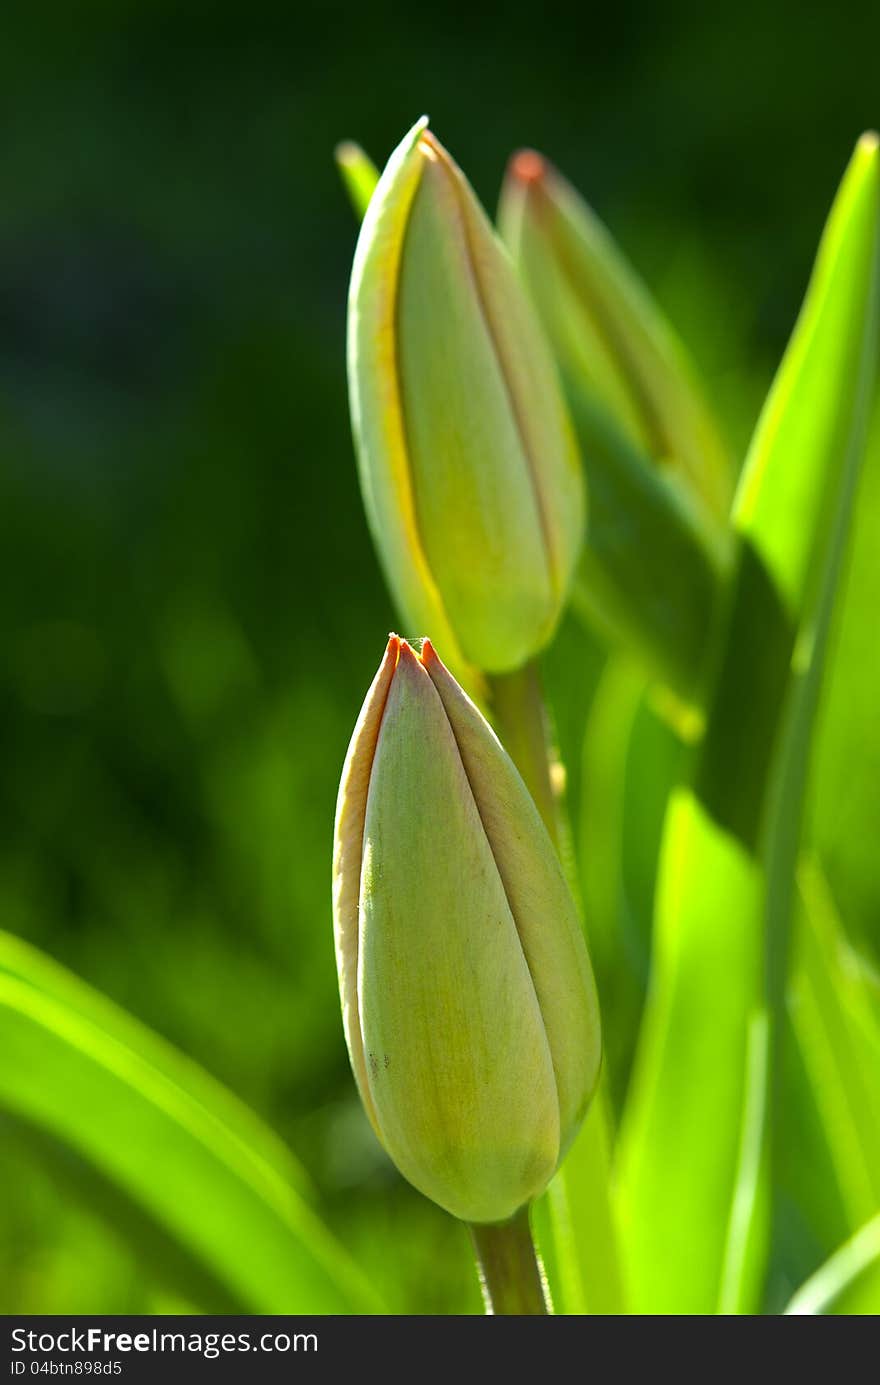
(520, 717)
(510, 1275)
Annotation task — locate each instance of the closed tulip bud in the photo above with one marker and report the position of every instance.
(607, 332)
(468, 465)
(657, 546)
(468, 998)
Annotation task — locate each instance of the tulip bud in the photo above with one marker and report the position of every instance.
(657, 548)
(468, 999)
(468, 465)
(606, 331)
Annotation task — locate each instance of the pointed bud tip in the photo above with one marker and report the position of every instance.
(406, 653)
(411, 672)
(527, 166)
(869, 143)
(434, 665)
(345, 152)
(430, 147)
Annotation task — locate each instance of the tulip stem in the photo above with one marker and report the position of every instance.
(520, 717)
(511, 1276)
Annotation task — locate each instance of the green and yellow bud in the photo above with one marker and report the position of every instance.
(607, 333)
(468, 464)
(468, 998)
(657, 546)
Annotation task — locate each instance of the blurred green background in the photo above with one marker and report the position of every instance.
(191, 608)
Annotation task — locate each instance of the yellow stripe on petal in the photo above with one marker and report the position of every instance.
(377, 413)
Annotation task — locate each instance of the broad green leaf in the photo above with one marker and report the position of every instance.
(783, 510)
(191, 1158)
(810, 1217)
(845, 781)
(359, 174)
(684, 1120)
(815, 424)
(732, 834)
(835, 1013)
(630, 761)
(848, 1283)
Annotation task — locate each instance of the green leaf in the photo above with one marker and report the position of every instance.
(783, 508)
(615, 944)
(747, 1231)
(835, 1012)
(648, 580)
(814, 426)
(574, 1223)
(186, 1153)
(359, 174)
(848, 1283)
(685, 1119)
(732, 833)
(630, 761)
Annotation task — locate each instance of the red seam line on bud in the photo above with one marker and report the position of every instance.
(439, 154)
(393, 646)
(428, 654)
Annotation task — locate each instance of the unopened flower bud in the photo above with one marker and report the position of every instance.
(468, 998)
(468, 465)
(607, 333)
(657, 545)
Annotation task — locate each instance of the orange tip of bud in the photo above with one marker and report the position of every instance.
(527, 166)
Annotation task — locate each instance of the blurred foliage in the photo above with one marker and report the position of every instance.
(191, 609)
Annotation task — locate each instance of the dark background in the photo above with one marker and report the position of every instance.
(191, 610)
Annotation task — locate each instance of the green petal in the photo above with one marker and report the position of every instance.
(540, 900)
(459, 1068)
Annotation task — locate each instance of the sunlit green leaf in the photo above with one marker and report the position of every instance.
(684, 1120)
(630, 760)
(848, 1283)
(575, 1224)
(835, 1011)
(192, 1158)
(732, 834)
